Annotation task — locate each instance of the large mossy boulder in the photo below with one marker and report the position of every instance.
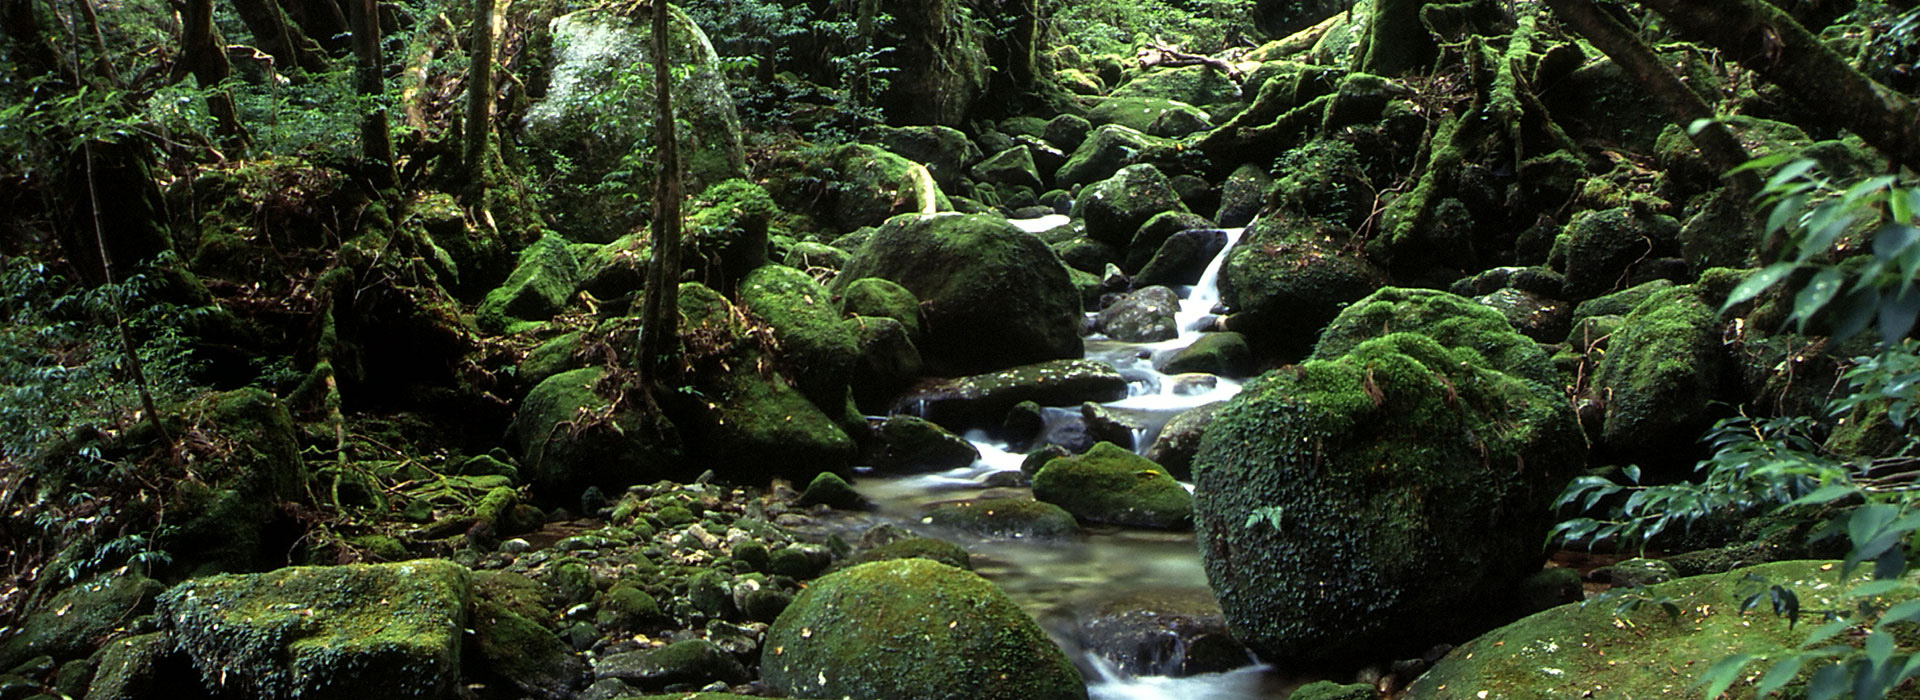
(598, 114)
(69, 624)
(575, 430)
(223, 520)
(1002, 519)
(1379, 500)
(817, 349)
(991, 296)
(1115, 208)
(871, 184)
(539, 287)
(913, 628)
(1201, 86)
(946, 151)
(747, 419)
(1450, 319)
(1110, 484)
(1288, 279)
(1110, 148)
(1600, 250)
(345, 632)
(1605, 651)
(911, 444)
(1664, 368)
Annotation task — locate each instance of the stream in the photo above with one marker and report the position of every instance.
(1059, 582)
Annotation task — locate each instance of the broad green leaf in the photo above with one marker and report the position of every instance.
(1791, 171)
(1897, 315)
(1899, 208)
(1867, 187)
(1891, 239)
(1874, 588)
(1758, 282)
(1903, 611)
(1827, 494)
(1827, 683)
(1826, 631)
(1879, 646)
(1785, 212)
(1780, 675)
(1819, 292)
(1762, 163)
(1723, 673)
(1856, 311)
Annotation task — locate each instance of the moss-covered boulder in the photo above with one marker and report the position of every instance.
(1224, 354)
(746, 417)
(141, 666)
(69, 624)
(521, 651)
(358, 631)
(1288, 278)
(1242, 195)
(1161, 117)
(1663, 370)
(1378, 500)
(1110, 148)
(596, 117)
(222, 520)
(882, 298)
(946, 151)
(1013, 167)
(1115, 208)
(1604, 651)
(1449, 319)
(1153, 235)
(574, 431)
(913, 628)
(982, 400)
(694, 662)
(538, 288)
(817, 349)
(1110, 484)
(872, 184)
(726, 232)
(1599, 250)
(888, 362)
(1144, 629)
(1180, 259)
(1179, 439)
(912, 444)
(1002, 519)
(1201, 86)
(992, 296)
(1142, 316)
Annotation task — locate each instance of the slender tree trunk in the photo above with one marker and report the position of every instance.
(279, 37)
(660, 312)
(1685, 107)
(203, 56)
(31, 50)
(376, 143)
(1768, 41)
(480, 92)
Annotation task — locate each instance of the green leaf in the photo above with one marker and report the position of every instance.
(1791, 171)
(1819, 291)
(1762, 163)
(1785, 212)
(1897, 315)
(1826, 631)
(1780, 675)
(1867, 187)
(1903, 611)
(1826, 494)
(1758, 282)
(1883, 587)
(1891, 239)
(1827, 683)
(1723, 673)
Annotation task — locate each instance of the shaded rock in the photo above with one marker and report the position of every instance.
(523, 652)
(1112, 485)
(1288, 278)
(914, 547)
(1242, 195)
(1152, 235)
(1115, 208)
(1537, 317)
(1144, 316)
(1143, 113)
(539, 287)
(913, 444)
(66, 626)
(1599, 250)
(817, 350)
(1224, 354)
(1636, 572)
(1662, 373)
(1173, 632)
(381, 630)
(571, 435)
(945, 151)
(1182, 258)
(1003, 519)
(1086, 255)
(1067, 131)
(883, 298)
(841, 638)
(1109, 149)
(1105, 424)
(1448, 319)
(143, 666)
(935, 58)
(692, 662)
(1179, 440)
(980, 400)
(1013, 167)
(874, 184)
(1401, 480)
(1201, 86)
(1550, 587)
(887, 364)
(992, 296)
(1329, 690)
(808, 256)
(1622, 302)
(830, 490)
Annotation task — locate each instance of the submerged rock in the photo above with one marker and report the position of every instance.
(1003, 519)
(913, 628)
(347, 632)
(1156, 631)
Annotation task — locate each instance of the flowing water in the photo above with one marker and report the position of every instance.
(1048, 578)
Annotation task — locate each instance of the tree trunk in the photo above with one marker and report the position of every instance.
(1685, 106)
(1396, 40)
(280, 38)
(202, 55)
(31, 52)
(376, 143)
(660, 312)
(479, 119)
(1766, 40)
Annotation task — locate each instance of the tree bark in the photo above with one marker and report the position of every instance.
(479, 121)
(31, 51)
(279, 37)
(1768, 41)
(660, 312)
(1685, 106)
(202, 55)
(376, 141)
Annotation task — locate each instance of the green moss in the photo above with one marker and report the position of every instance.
(1661, 374)
(919, 548)
(571, 435)
(1115, 208)
(874, 184)
(1378, 499)
(1003, 519)
(830, 490)
(817, 349)
(66, 626)
(1224, 354)
(388, 630)
(913, 628)
(631, 605)
(1290, 277)
(1110, 148)
(558, 355)
(1449, 319)
(909, 443)
(1110, 484)
(882, 298)
(539, 287)
(522, 651)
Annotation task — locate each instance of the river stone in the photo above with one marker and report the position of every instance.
(521, 651)
(1182, 258)
(873, 184)
(1116, 207)
(1224, 354)
(1143, 316)
(992, 296)
(1067, 131)
(919, 548)
(1288, 278)
(1380, 500)
(1449, 319)
(912, 444)
(1156, 631)
(1542, 319)
(1112, 485)
(1110, 148)
(1599, 651)
(913, 628)
(1114, 425)
(980, 401)
(572, 434)
(1013, 167)
(693, 662)
(817, 349)
(1242, 195)
(1003, 519)
(888, 361)
(1179, 439)
(883, 298)
(944, 150)
(597, 123)
(1148, 239)
(346, 632)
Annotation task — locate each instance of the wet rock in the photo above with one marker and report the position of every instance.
(888, 361)
(1067, 131)
(1225, 354)
(1039, 458)
(1013, 167)
(830, 490)
(1153, 235)
(694, 661)
(1288, 279)
(911, 444)
(992, 295)
(1174, 632)
(1179, 439)
(1242, 195)
(945, 151)
(1112, 485)
(1447, 318)
(1003, 519)
(981, 400)
(386, 630)
(1086, 255)
(1104, 424)
(971, 642)
(66, 626)
(1143, 316)
(1109, 149)
(1183, 258)
(1329, 690)
(919, 548)
(1115, 208)
(1550, 587)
